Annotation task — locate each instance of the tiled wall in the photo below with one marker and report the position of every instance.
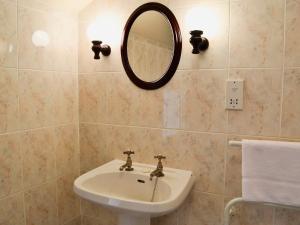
(39, 153)
(258, 41)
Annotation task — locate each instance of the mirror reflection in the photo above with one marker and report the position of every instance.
(150, 46)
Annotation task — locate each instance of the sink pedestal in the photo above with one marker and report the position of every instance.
(125, 219)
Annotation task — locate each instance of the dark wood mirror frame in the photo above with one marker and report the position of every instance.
(166, 77)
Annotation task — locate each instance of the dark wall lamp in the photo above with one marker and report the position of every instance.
(98, 47)
(199, 43)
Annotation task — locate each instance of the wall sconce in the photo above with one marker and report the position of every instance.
(199, 43)
(98, 47)
(107, 28)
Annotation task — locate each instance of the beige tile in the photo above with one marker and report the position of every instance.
(66, 6)
(122, 100)
(92, 147)
(40, 205)
(256, 33)
(248, 214)
(159, 108)
(169, 219)
(10, 165)
(8, 34)
(205, 157)
(95, 211)
(93, 96)
(142, 141)
(12, 210)
(175, 4)
(285, 216)
(290, 124)
(201, 153)
(36, 99)
(61, 52)
(261, 111)
(64, 98)
(38, 157)
(292, 33)
(68, 202)
(125, 141)
(149, 108)
(8, 100)
(203, 99)
(76, 221)
(201, 209)
(36, 4)
(91, 11)
(66, 150)
(213, 18)
(65, 38)
(95, 221)
(233, 178)
(31, 56)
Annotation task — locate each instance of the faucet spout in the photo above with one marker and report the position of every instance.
(128, 165)
(123, 167)
(158, 172)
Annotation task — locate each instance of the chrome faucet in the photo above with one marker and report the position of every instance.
(158, 172)
(128, 165)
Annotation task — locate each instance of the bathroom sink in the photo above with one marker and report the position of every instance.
(132, 194)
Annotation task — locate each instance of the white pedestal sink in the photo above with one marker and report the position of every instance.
(131, 194)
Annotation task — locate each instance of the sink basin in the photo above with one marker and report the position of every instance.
(132, 194)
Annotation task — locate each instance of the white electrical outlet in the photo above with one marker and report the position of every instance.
(234, 94)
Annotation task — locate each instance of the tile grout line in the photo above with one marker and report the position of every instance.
(26, 189)
(227, 111)
(283, 68)
(56, 173)
(91, 73)
(37, 129)
(18, 110)
(78, 115)
(182, 130)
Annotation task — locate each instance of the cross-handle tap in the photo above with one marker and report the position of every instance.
(128, 165)
(158, 172)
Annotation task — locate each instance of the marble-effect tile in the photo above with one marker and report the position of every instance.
(290, 125)
(9, 114)
(262, 96)
(203, 100)
(38, 157)
(256, 42)
(292, 43)
(12, 210)
(11, 165)
(8, 34)
(41, 205)
(36, 99)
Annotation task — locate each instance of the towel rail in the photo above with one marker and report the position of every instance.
(228, 212)
(235, 143)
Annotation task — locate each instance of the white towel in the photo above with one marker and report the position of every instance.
(271, 172)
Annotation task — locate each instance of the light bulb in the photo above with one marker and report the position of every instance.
(203, 18)
(40, 38)
(106, 28)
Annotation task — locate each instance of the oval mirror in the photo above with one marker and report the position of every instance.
(151, 46)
